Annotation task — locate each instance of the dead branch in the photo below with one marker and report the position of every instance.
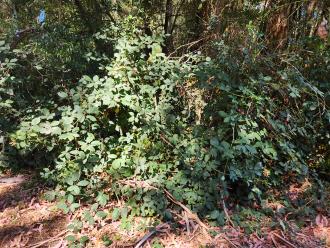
(189, 213)
(284, 240)
(52, 239)
(159, 229)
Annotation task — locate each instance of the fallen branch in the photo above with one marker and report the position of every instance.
(52, 239)
(189, 45)
(145, 238)
(160, 228)
(231, 242)
(165, 140)
(222, 235)
(274, 241)
(142, 184)
(193, 234)
(226, 213)
(284, 240)
(190, 214)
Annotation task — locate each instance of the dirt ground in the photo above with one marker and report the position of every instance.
(26, 220)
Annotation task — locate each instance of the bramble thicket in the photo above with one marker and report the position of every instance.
(215, 102)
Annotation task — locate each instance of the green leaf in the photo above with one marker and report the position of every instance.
(267, 78)
(83, 239)
(88, 217)
(101, 214)
(256, 190)
(117, 163)
(73, 177)
(115, 214)
(75, 226)
(90, 137)
(56, 131)
(62, 206)
(70, 238)
(102, 198)
(124, 213)
(106, 240)
(214, 142)
(92, 118)
(214, 214)
(35, 121)
(70, 199)
(94, 207)
(74, 206)
(83, 183)
(50, 195)
(62, 94)
(74, 189)
(156, 49)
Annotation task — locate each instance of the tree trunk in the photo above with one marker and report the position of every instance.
(278, 25)
(168, 26)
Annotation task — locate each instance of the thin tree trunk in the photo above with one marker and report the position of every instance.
(278, 24)
(168, 26)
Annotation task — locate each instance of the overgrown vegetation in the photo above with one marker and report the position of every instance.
(212, 101)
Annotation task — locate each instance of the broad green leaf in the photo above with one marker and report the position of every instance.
(88, 217)
(74, 206)
(36, 121)
(116, 214)
(102, 198)
(62, 206)
(74, 189)
(62, 94)
(70, 238)
(70, 199)
(101, 214)
(83, 183)
(50, 195)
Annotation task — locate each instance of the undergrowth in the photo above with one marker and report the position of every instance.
(210, 130)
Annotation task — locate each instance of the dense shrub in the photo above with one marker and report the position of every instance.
(198, 127)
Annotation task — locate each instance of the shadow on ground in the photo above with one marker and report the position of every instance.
(13, 193)
(25, 219)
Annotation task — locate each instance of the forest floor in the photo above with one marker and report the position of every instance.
(29, 221)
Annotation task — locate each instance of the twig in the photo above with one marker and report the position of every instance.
(145, 238)
(189, 45)
(186, 219)
(230, 242)
(274, 241)
(52, 239)
(59, 244)
(165, 140)
(226, 213)
(284, 240)
(4, 240)
(191, 215)
(193, 234)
